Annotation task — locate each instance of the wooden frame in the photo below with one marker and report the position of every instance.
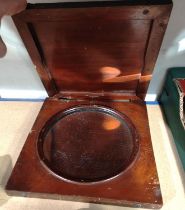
(141, 173)
(137, 186)
(158, 16)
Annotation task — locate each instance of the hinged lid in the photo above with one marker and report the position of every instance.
(108, 47)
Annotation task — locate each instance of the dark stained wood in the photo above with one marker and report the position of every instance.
(136, 186)
(87, 4)
(95, 48)
(143, 84)
(91, 140)
(9, 7)
(92, 53)
(104, 96)
(158, 29)
(121, 12)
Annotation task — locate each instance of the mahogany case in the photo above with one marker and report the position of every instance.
(91, 140)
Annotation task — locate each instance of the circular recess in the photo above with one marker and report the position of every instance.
(88, 144)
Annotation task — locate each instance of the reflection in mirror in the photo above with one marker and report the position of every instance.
(88, 145)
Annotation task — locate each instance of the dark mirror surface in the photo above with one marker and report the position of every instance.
(88, 144)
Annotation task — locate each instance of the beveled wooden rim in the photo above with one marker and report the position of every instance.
(104, 109)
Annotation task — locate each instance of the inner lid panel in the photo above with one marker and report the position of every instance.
(88, 53)
(93, 48)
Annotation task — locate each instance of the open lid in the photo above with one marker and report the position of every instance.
(94, 47)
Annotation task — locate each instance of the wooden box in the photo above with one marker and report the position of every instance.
(91, 140)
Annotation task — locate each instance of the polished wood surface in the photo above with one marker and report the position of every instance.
(9, 7)
(98, 96)
(138, 185)
(91, 141)
(94, 48)
(91, 54)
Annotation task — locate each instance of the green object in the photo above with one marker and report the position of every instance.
(169, 101)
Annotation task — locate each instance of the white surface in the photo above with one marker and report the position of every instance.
(18, 78)
(170, 54)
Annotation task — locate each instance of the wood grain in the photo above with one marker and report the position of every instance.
(94, 48)
(158, 28)
(138, 186)
(99, 56)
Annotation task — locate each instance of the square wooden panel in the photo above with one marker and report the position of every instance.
(103, 47)
(137, 185)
